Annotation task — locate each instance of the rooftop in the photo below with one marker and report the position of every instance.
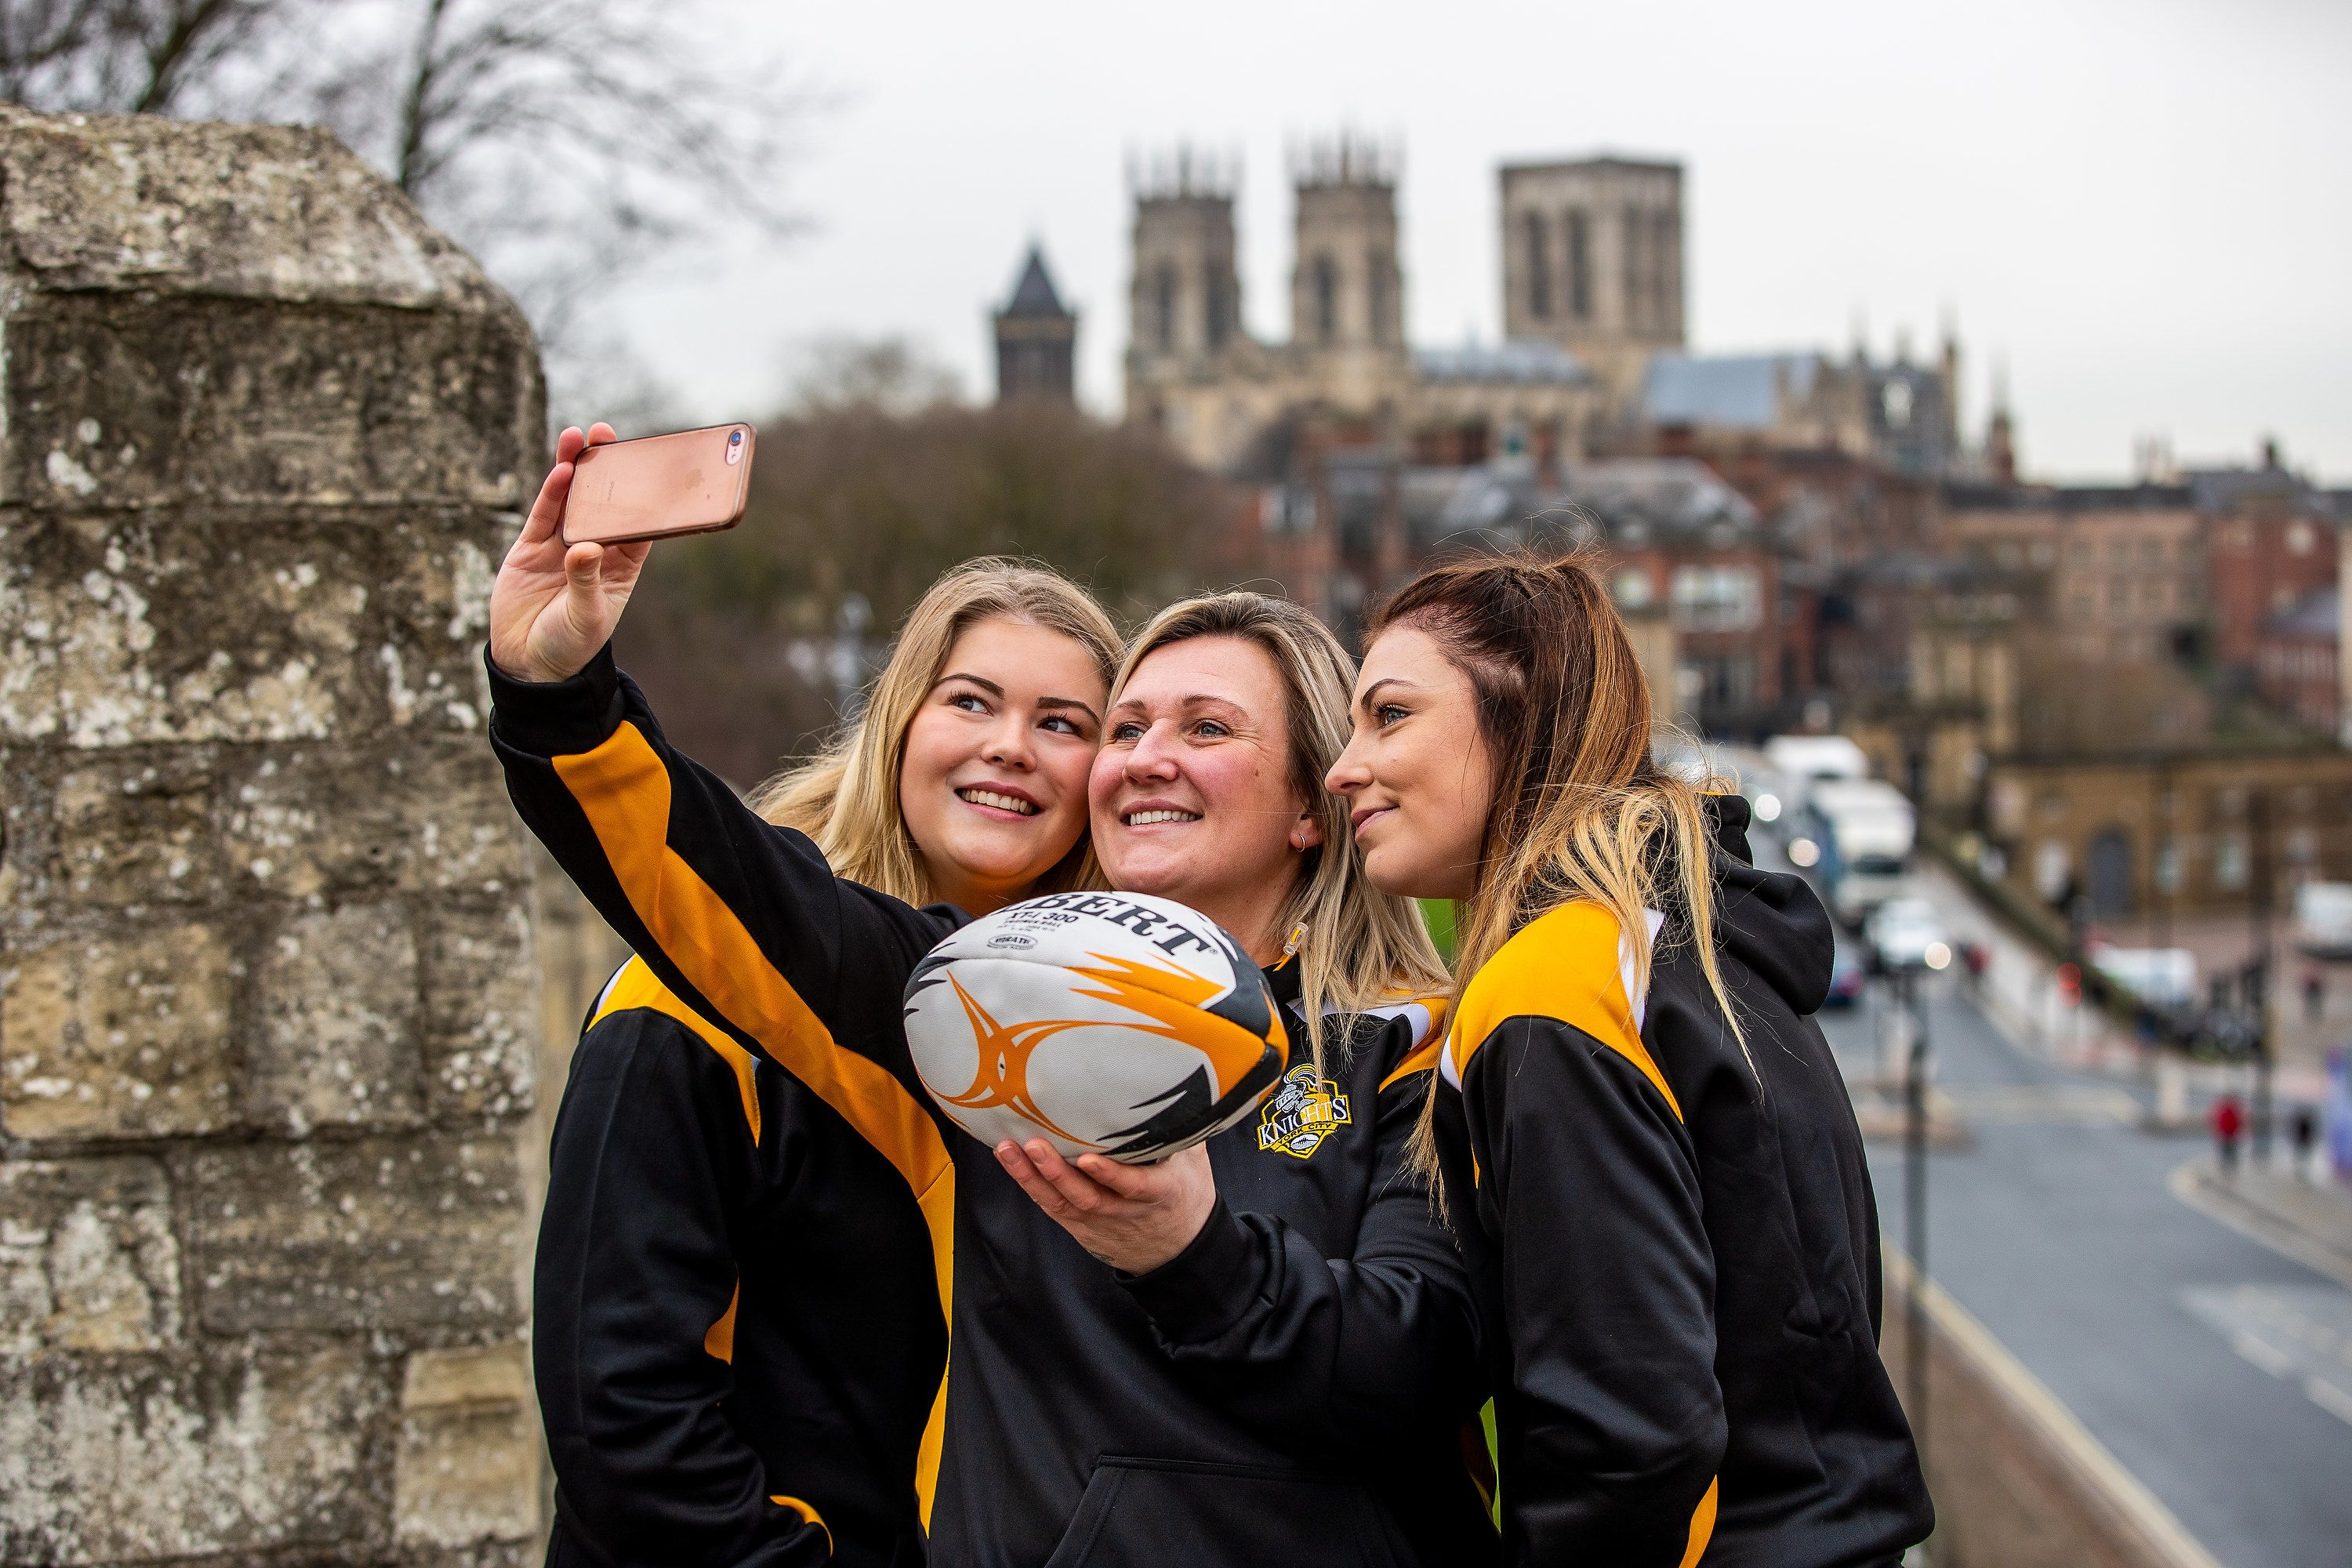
(1526, 362)
(1034, 296)
(1724, 392)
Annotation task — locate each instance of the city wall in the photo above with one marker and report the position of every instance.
(269, 1017)
(2018, 1482)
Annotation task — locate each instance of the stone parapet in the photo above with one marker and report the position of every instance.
(270, 1019)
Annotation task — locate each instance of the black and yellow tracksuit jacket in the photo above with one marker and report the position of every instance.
(734, 1332)
(1674, 1244)
(1290, 1389)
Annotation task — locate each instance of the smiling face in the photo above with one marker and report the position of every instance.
(994, 782)
(1418, 776)
(1192, 794)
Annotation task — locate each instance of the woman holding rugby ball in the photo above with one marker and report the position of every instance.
(1643, 1141)
(1270, 1353)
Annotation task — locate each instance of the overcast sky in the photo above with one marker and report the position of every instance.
(2142, 208)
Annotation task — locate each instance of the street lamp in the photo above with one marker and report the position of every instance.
(1936, 956)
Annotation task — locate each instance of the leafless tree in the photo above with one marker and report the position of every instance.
(567, 143)
(127, 56)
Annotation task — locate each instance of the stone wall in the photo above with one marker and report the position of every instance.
(269, 1019)
(2018, 1482)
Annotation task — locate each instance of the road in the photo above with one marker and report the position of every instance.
(2215, 1370)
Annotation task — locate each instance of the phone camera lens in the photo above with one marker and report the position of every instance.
(735, 439)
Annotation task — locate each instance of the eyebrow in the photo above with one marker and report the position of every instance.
(998, 693)
(1365, 701)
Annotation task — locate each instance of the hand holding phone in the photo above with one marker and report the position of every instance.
(659, 487)
(557, 598)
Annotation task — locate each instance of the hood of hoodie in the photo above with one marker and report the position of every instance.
(1770, 921)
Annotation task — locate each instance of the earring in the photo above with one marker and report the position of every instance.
(1290, 944)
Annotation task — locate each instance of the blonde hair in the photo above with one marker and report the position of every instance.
(1361, 947)
(847, 798)
(1581, 809)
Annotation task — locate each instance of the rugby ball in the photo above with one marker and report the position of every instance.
(1116, 1024)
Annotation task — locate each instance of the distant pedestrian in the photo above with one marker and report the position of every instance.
(1976, 960)
(2228, 1126)
(2302, 1133)
(2314, 995)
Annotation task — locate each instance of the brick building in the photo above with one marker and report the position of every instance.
(2296, 659)
(2272, 543)
(2195, 831)
(2123, 569)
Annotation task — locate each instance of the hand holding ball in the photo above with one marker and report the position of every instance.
(1121, 1024)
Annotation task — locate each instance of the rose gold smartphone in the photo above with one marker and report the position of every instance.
(659, 487)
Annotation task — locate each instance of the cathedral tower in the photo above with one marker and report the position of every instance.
(1347, 287)
(1592, 260)
(1184, 304)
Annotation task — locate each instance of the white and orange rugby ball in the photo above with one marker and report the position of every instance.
(1112, 1023)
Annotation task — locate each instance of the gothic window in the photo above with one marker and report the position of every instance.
(1666, 257)
(1326, 299)
(1579, 267)
(1164, 310)
(1538, 269)
(1379, 267)
(1637, 299)
(1219, 306)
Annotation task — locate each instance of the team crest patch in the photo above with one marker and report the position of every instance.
(1301, 1113)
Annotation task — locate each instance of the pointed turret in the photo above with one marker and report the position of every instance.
(1037, 338)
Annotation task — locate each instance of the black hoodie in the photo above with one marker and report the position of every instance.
(1674, 1243)
(1290, 1388)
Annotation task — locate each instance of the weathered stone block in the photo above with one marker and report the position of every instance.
(427, 814)
(469, 1468)
(121, 403)
(384, 1232)
(338, 1041)
(119, 630)
(134, 1458)
(88, 1259)
(264, 212)
(111, 830)
(121, 1035)
(480, 1016)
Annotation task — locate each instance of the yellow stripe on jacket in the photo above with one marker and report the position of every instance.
(625, 792)
(1570, 965)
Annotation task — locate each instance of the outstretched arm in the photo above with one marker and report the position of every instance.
(1346, 1352)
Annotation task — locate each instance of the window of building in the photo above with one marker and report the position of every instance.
(2081, 550)
(2119, 550)
(1163, 309)
(1219, 295)
(2043, 552)
(2229, 861)
(1326, 299)
(1631, 588)
(1377, 296)
(1716, 598)
(1579, 267)
(2168, 866)
(1629, 237)
(2299, 537)
(2151, 552)
(1538, 243)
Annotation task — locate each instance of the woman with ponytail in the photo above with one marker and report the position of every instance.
(1641, 1136)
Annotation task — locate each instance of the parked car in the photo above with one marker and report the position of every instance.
(1906, 933)
(1847, 975)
